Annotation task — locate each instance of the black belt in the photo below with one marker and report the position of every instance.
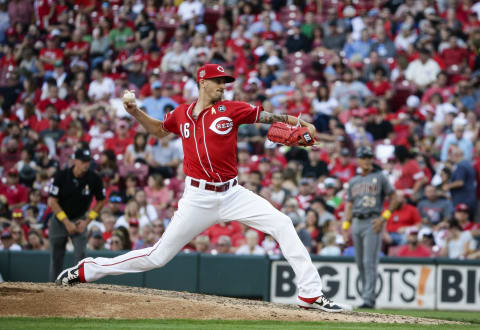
(363, 216)
(220, 188)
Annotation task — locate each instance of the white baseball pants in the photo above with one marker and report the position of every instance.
(199, 209)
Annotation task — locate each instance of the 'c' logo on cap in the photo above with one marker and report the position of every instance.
(219, 68)
(202, 74)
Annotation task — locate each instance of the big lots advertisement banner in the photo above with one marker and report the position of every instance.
(398, 285)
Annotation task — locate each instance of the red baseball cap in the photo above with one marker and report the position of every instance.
(133, 222)
(13, 172)
(372, 111)
(209, 71)
(461, 207)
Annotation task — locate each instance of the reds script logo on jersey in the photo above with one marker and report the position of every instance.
(222, 125)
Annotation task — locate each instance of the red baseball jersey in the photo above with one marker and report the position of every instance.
(210, 141)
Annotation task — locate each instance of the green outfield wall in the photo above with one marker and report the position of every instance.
(433, 283)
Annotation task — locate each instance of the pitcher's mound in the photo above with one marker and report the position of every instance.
(122, 302)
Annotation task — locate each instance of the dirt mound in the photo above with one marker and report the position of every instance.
(122, 302)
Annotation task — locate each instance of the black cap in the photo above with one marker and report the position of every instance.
(83, 155)
(364, 152)
(97, 234)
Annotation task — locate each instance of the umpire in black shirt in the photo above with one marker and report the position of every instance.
(71, 194)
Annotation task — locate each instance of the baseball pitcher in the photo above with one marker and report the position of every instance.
(208, 129)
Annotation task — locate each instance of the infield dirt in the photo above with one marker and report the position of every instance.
(122, 302)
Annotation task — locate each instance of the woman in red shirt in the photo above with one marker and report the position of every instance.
(311, 219)
(380, 85)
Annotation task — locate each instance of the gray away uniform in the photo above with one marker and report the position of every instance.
(367, 195)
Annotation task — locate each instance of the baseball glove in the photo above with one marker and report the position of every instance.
(290, 135)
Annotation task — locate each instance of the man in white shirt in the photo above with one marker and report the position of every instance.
(423, 71)
(190, 10)
(252, 247)
(145, 209)
(101, 88)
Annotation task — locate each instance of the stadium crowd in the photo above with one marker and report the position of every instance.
(400, 76)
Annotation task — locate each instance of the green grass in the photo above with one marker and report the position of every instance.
(462, 316)
(62, 323)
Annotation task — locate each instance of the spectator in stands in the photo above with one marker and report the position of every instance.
(121, 140)
(18, 228)
(297, 41)
(454, 54)
(175, 59)
(294, 212)
(360, 48)
(423, 71)
(15, 193)
(343, 167)
(383, 45)
(7, 242)
(406, 38)
(252, 247)
(9, 154)
(36, 241)
(101, 88)
(230, 229)
(100, 132)
(202, 244)
(433, 209)
(158, 229)
(117, 242)
(330, 246)
(324, 107)
(155, 105)
(108, 220)
(278, 194)
(95, 241)
(139, 150)
(223, 245)
(331, 197)
(191, 11)
(166, 155)
(404, 218)
(335, 37)
(313, 228)
(343, 91)
(457, 138)
(145, 208)
(146, 238)
(462, 184)
(116, 203)
(120, 34)
(458, 243)
(323, 211)
(462, 216)
(132, 215)
(157, 194)
(413, 249)
(408, 176)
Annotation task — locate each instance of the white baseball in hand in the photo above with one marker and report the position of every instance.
(128, 97)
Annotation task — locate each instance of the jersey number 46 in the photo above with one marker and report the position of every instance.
(184, 130)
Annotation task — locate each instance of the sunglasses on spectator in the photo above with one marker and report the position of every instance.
(157, 226)
(116, 242)
(17, 215)
(16, 232)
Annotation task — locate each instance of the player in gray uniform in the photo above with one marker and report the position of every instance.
(366, 195)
